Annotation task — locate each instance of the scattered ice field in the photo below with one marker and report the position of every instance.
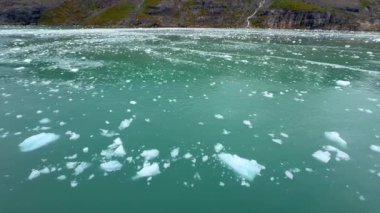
(159, 120)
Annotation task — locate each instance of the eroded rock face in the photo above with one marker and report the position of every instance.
(303, 19)
(339, 14)
(21, 15)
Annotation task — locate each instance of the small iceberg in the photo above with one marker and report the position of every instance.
(335, 137)
(148, 171)
(111, 166)
(375, 148)
(323, 156)
(37, 141)
(125, 123)
(247, 169)
(150, 154)
(342, 83)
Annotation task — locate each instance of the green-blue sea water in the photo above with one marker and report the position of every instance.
(261, 120)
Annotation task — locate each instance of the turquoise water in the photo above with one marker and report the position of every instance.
(230, 120)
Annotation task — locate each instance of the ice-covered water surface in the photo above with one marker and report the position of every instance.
(227, 119)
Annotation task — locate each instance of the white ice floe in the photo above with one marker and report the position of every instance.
(277, 140)
(323, 156)
(340, 155)
(111, 166)
(218, 147)
(37, 141)
(289, 174)
(342, 83)
(148, 170)
(125, 123)
(133, 102)
(85, 150)
(187, 155)
(45, 170)
(34, 174)
(73, 135)
(71, 164)
(247, 169)
(204, 158)
(116, 149)
(248, 123)
(174, 153)
(219, 116)
(19, 68)
(81, 167)
(44, 121)
(108, 133)
(28, 60)
(375, 148)
(335, 137)
(150, 154)
(226, 132)
(284, 135)
(73, 183)
(61, 177)
(268, 94)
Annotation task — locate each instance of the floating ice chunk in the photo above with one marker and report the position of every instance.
(219, 116)
(335, 137)
(247, 123)
(18, 116)
(45, 170)
(81, 167)
(150, 154)
(268, 94)
(205, 158)
(119, 151)
(111, 166)
(284, 135)
(375, 148)
(61, 177)
(37, 141)
(166, 165)
(218, 147)
(108, 133)
(221, 184)
(73, 183)
(277, 140)
(71, 165)
(342, 83)
(289, 174)
(74, 70)
(116, 149)
(323, 156)
(226, 132)
(85, 150)
(247, 169)
(73, 135)
(34, 174)
(133, 102)
(44, 121)
(340, 155)
(148, 171)
(91, 177)
(28, 60)
(19, 68)
(174, 153)
(125, 123)
(188, 155)
(72, 157)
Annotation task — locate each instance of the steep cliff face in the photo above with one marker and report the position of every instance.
(310, 14)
